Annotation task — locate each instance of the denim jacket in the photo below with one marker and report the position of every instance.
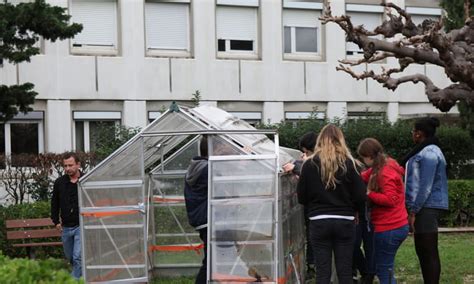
(426, 181)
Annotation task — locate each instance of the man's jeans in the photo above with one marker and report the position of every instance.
(71, 238)
(386, 246)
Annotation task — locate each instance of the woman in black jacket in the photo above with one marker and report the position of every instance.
(330, 188)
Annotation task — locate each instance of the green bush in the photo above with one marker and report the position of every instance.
(457, 145)
(26, 211)
(461, 203)
(27, 271)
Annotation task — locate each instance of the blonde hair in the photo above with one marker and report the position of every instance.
(332, 151)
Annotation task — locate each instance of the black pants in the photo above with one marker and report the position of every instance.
(202, 275)
(330, 236)
(364, 262)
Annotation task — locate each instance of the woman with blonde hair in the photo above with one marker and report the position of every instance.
(330, 187)
(386, 193)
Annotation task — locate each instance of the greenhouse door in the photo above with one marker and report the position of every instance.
(114, 230)
(242, 241)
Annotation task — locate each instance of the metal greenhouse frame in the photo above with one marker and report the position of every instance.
(133, 219)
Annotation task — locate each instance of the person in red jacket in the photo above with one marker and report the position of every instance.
(385, 191)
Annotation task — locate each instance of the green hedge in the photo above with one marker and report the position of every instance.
(26, 271)
(461, 203)
(25, 211)
(457, 145)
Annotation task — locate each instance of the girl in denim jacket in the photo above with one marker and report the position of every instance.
(426, 195)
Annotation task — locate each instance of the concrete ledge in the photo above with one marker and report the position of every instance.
(456, 230)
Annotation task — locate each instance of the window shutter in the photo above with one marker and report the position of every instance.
(236, 23)
(99, 21)
(167, 25)
(418, 19)
(301, 18)
(370, 22)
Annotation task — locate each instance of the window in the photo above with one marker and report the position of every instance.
(301, 29)
(99, 21)
(252, 117)
(295, 116)
(368, 15)
(237, 30)
(23, 134)
(167, 28)
(355, 115)
(152, 115)
(91, 128)
(418, 14)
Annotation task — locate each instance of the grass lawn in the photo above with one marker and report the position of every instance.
(457, 262)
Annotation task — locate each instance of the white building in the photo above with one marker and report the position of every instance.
(263, 60)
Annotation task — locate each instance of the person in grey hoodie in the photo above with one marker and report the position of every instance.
(195, 196)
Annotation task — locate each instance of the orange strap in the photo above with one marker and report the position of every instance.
(167, 200)
(108, 213)
(178, 248)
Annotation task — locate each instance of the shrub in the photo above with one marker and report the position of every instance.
(457, 145)
(461, 203)
(26, 271)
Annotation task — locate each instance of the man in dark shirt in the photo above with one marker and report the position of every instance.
(195, 195)
(65, 204)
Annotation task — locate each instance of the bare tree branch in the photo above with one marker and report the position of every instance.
(420, 44)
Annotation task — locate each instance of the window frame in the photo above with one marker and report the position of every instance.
(320, 31)
(90, 49)
(238, 54)
(92, 116)
(33, 117)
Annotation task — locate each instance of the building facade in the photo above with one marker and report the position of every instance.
(263, 60)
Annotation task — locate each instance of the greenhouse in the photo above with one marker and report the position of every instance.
(133, 216)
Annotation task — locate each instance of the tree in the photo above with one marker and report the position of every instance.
(456, 13)
(412, 44)
(21, 27)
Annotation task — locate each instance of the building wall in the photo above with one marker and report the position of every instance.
(134, 84)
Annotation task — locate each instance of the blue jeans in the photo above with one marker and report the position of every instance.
(71, 238)
(386, 246)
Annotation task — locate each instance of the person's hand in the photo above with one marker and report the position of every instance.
(59, 227)
(356, 218)
(411, 222)
(288, 167)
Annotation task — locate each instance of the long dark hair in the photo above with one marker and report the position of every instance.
(371, 148)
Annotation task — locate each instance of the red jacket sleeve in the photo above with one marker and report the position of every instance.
(365, 175)
(392, 189)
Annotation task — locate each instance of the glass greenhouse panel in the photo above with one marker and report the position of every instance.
(183, 254)
(111, 196)
(168, 186)
(243, 178)
(239, 220)
(180, 161)
(172, 219)
(239, 262)
(124, 164)
(113, 250)
(173, 122)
